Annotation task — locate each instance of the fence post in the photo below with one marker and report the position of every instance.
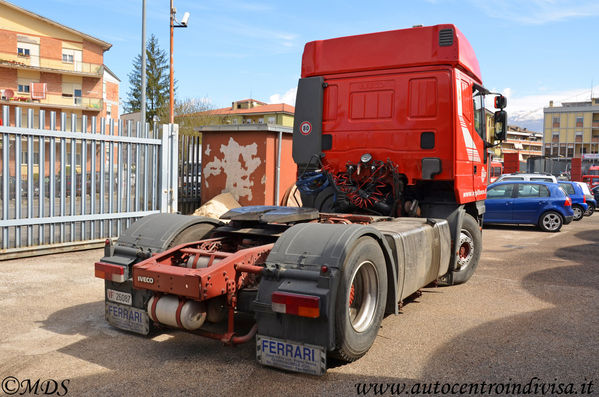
(174, 167)
(164, 174)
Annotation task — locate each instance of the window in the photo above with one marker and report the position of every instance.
(261, 120)
(479, 109)
(513, 178)
(579, 133)
(67, 58)
(569, 189)
(495, 171)
(25, 88)
(271, 120)
(556, 122)
(537, 179)
(77, 95)
(579, 121)
(527, 191)
(500, 191)
(108, 111)
(23, 52)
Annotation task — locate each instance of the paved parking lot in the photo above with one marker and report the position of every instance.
(531, 310)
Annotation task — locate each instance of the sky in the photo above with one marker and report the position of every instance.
(532, 51)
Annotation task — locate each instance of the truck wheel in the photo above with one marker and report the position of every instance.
(193, 233)
(361, 299)
(469, 250)
(578, 212)
(550, 221)
(590, 210)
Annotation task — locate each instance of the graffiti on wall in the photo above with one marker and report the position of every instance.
(238, 173)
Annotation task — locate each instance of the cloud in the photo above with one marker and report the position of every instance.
(288, 97)
(538, 12)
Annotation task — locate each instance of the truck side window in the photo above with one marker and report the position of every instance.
(479, 112)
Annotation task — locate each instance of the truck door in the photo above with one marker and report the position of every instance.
(471, 172)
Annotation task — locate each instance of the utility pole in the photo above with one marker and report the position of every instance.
(143, 66)
(171, 79)
(174, 24)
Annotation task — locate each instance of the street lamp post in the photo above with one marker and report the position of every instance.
(174, 24)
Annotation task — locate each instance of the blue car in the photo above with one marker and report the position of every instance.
(527, 202)
(579, 201)
(591, 197)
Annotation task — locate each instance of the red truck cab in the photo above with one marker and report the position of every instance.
(418, 107)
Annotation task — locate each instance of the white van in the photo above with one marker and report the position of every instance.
(536, 177)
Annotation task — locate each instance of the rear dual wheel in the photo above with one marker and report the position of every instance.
(361, 299)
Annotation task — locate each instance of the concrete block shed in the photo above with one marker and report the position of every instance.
(243, 160)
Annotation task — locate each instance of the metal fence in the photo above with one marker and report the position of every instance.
(190, 173)
(558, 166)
(63, 187)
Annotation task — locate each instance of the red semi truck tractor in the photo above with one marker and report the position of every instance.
(389, 139)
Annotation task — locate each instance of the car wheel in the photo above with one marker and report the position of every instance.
(361, 300)
(578, 212)
(551, 221)
(590, 210)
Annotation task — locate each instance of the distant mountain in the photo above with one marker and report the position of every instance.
(524, 119)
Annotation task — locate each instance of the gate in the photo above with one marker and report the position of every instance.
(190, 173)
(75, 187)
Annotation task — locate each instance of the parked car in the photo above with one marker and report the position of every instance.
(591, 201)
(536, 177)
(528, 202)
(576, 194)
(595, 192)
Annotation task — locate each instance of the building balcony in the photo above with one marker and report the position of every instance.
(56, 101)
(36, 63)
(524, 142)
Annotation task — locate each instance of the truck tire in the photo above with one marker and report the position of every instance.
(361, 299)
(193, 233)
(578, 212)
(469, 250)
(551, 221)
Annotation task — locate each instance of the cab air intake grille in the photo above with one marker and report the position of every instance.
(445, 37)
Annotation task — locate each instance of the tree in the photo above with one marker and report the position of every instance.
(157, 82)
(192, 113)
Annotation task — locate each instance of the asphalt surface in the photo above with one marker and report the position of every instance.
(529, 313)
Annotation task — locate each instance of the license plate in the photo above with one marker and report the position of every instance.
(118, 296)
(292, 356)
(128, 318)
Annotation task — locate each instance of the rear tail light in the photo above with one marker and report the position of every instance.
(300, 305)
(584, 199)
(568, 202)
(110, 272)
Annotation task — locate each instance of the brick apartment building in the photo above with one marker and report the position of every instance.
(46, 65)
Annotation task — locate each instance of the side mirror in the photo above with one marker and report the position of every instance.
(500, 102)
(500, 118)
